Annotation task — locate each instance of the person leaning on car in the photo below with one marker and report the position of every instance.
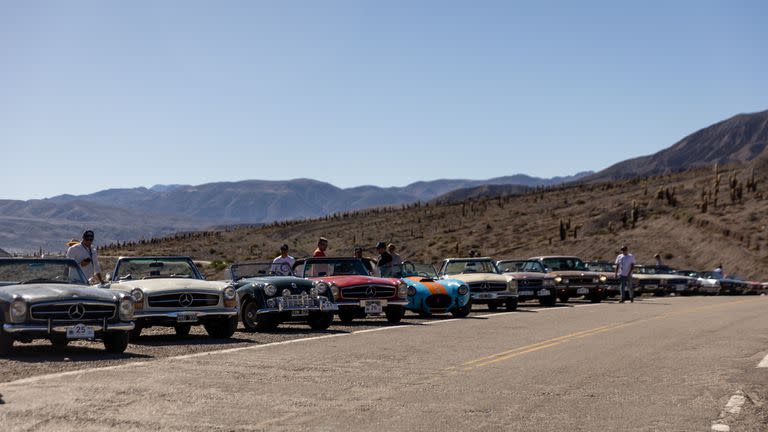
(625, 263)
(86, 256)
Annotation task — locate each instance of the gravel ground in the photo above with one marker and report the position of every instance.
(40, 357)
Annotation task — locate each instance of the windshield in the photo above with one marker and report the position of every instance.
(251, 270)
(564, 264)
(14, 271)
(689, 273)
(341, 267)
(712, 275)
(600, 266)
(470, 266)
(155, 268)
(421, 270)
(510, 266)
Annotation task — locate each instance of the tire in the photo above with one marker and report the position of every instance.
(511, 305)
(320, 320)
(6, 343)
(249, 317)
(463, 311)
(347, 315)
(182, 330)
(221, 328)
(116, 342)
(563, 298)
(493, 306)
(547, 301)
(394, 314)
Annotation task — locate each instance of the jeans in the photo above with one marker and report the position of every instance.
(625, 284)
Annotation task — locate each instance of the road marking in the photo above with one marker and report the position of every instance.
(764, 362)
(735, 403)
(719, 427)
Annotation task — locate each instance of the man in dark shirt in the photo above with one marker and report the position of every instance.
(366, 261)
(385, 260)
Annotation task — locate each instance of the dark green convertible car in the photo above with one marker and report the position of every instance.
(271, 294)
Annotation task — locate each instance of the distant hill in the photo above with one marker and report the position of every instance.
(486, 191)
(741, 138)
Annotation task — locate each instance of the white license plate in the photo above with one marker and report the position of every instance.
(582, 291)
(544, 292)
(372, 307)
(300, 313)
(80, 331)
(485, 296)
(525, 293)
(185, 317)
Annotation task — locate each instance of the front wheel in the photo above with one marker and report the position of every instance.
(463, 311)
(6, 343)
(394, 314)
(116, 342)
(511, 305)
(221, 328)
(248, 315)
(320, 320)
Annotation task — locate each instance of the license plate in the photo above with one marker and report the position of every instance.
(582, 291)
(485, 296)
(372, 307)
(300, 313)
(80, 331)
(525, 293)
(184, 317)
(544, 292)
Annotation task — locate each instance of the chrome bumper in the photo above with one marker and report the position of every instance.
(36, 328)
(175, 314)
(384, 303)
(493, 296)
(321, 307)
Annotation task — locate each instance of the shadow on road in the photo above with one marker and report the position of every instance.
(295, 331)
(46, 353)
(172, 339)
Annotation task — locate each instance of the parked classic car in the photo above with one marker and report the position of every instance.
(608, 279)
(44, 298)
(662, 280)
(428, 295)
(730, 284)
(171, 292)
(532, 281)
(705, 283)
(271, 294)
(572, 278)
(486, 283)
(356, 292)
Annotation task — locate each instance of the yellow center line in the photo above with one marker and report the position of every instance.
(515, 352)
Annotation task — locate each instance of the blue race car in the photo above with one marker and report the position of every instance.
(427, 294)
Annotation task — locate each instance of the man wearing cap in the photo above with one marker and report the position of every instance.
(625, 263)
(283, 263)
(385, 259)
(86, 256)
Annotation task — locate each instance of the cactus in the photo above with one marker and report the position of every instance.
(562, 230)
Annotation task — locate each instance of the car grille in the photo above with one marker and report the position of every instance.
(677, 282)
(529, 283)
(368, 291)
(61, 311)
(299, 301)
(438, 301)
(644, 282)
(183, 300)
(580, 281)
(487, 286)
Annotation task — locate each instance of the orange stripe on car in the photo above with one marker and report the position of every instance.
(433, 287)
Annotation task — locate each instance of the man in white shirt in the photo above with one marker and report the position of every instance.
(625, 263)
(85, 255)
(283, 263)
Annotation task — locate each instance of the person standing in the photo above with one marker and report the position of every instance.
(396, 259)
(385, 259)
(87, 257)
(659, 262)
(366, 261)
(719, 271)
(322, 245)
(284, 260)
(625, 263)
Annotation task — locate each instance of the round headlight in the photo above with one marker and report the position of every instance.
(18, 310)
(229, 293)
(334, 291)
(603, 279)
(463, 290)
(411, 291)
(137, 295)
(313, 292)
(286, 292)
(126, 309)
(402, 290)
(270, 290)
(321, 287)
(558, 279)
(549, 282)
(512, 284)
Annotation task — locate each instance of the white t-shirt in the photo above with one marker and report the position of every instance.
(624, 264)
(79, 252)
(278, 268)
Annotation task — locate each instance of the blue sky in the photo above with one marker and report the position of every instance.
(96, 94)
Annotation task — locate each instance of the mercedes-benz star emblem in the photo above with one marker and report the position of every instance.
(77, 311)
(293, 285)
(371, 291)
(185, 300)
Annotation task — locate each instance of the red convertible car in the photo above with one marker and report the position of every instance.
(356, 292)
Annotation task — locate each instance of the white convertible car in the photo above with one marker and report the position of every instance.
(171, 292)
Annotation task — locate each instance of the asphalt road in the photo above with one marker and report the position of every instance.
(666, 364)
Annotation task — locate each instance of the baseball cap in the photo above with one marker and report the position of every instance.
(380, 245)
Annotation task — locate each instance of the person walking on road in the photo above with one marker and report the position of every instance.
(625, 263)
(322, 245)
(86, 256)
(279, 264)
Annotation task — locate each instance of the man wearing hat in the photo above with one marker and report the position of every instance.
(86, 256)
(385, 259)
(625, 263)
(280, 263)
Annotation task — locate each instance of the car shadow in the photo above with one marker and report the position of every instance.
(69, 354)
(172, 339)
(295, 330)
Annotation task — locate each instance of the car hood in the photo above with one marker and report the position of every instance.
(433, 286)
(160, 285)
(527, 275)
(479, 277)
(344, 281)
(50, 292)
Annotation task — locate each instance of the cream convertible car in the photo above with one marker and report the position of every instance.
(171, 292)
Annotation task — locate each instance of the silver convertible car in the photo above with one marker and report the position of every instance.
(171, 292)
(43, 298)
